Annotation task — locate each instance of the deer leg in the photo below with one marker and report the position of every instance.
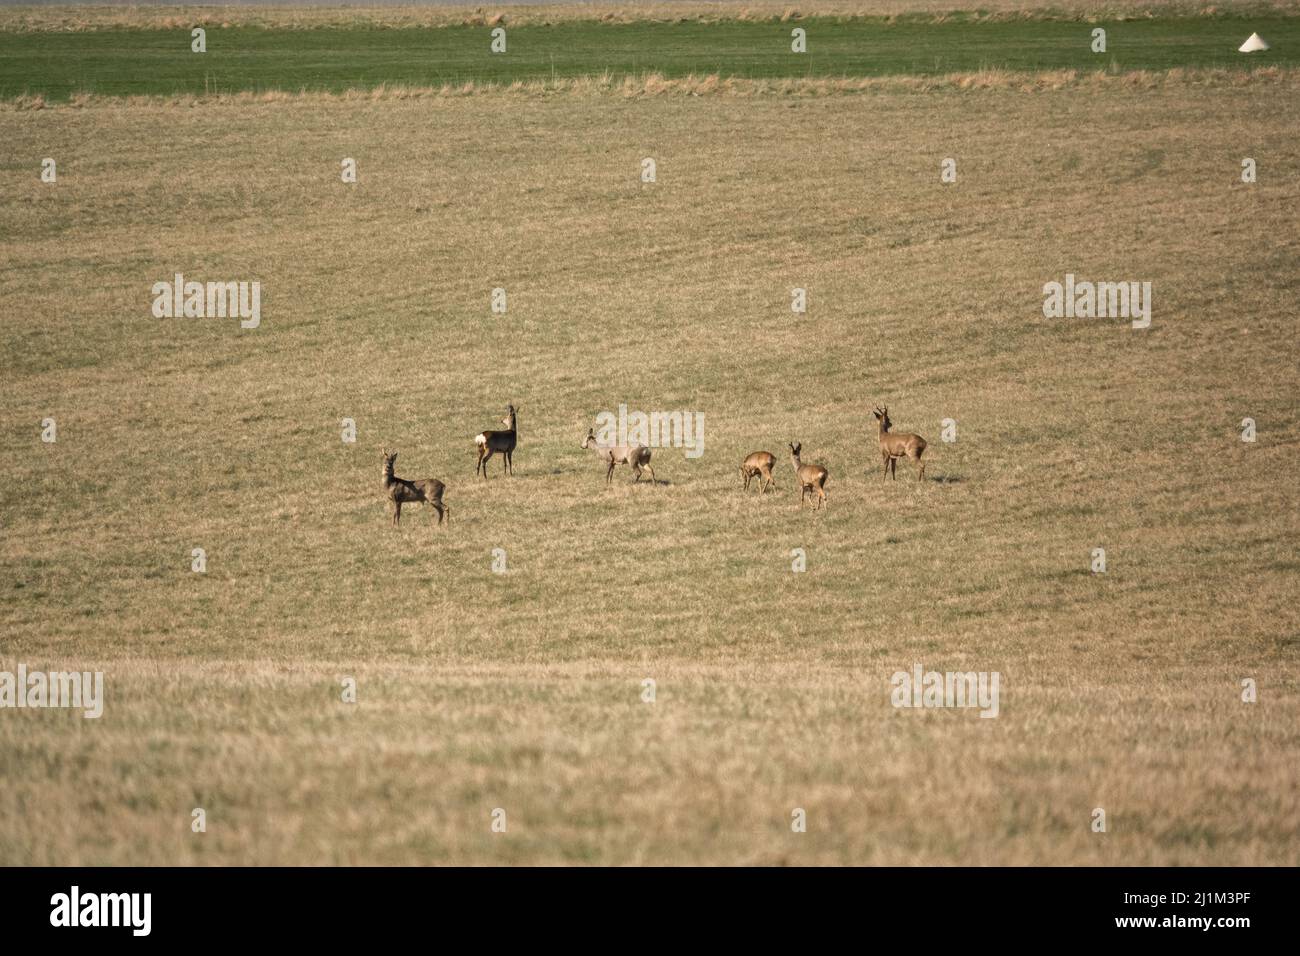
(653, 479)
(893, 468)
(397, 513)
(885, 459)
(609, 474)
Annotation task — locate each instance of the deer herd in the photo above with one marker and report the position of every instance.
(811, 478)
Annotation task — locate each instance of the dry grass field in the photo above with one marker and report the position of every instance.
(522, 691)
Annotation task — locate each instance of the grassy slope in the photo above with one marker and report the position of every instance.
(125, 61)
(521, 691)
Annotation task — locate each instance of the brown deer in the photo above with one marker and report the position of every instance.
(759, 463)
(636, 456)
(399, 491)
(812, 478)
(503, 442)
(902, 445)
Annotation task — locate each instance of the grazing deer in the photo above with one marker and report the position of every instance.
(759, 463)
(894, 447)
(399, 491)
(637, 456)
(812, 478)
(503, 442)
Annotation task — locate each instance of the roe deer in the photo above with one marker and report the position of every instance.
(503, 442)
(759, 463)
(894, 447)
(399, 491)
(812, 478)
(637, 456)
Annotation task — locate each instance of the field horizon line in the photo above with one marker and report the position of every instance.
(63, 18)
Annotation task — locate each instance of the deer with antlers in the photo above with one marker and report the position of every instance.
(902, 445)
(491, 442)
(399, 491)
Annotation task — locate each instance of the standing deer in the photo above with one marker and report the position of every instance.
(503, 442)
(759, 463)
(894, 447)
(637, 456)
(399, 491)
(812, 478)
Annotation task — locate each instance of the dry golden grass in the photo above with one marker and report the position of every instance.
(521, 690)
(1285, 80)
